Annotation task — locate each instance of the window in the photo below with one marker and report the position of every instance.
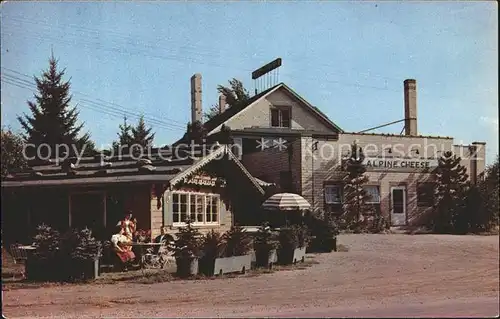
(199, 207)
(280, 117)
(333, 194)
(425, 194)
(373, 194)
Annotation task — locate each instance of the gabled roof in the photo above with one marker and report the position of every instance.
(222, 118)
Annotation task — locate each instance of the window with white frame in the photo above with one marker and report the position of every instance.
(333, 194)
(201, 208)
(373, 194)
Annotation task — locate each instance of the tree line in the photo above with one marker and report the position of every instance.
(52, 121)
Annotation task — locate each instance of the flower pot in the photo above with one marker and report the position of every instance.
(206, 266)
(186, 266)
(265, 257)
(232, 264)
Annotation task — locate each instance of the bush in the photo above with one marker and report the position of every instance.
(81, 245)
(46, 241)
(288, 238)
(188, 242)
(237, 242)
(303, 236)
(212, 245)
(265, 239)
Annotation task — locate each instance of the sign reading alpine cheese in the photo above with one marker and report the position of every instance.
(400, 163)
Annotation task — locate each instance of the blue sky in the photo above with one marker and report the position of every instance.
(348, 58)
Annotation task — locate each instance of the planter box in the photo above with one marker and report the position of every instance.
(186, 266)
(42, 269)
(232, 264)
(291, 256)
(84, 269)
(265, 258)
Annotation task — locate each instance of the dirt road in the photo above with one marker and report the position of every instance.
(381, 275)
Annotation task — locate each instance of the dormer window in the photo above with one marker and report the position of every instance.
(280, 116)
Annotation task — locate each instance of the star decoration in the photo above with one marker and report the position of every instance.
(280, 144)
(263, 143)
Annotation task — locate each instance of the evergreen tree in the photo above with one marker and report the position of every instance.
(355, 197)
(124, 135)
(235, 93)
(133, 135)
(195, 132)
(141, 135)
(53, 121)
(488, 189)
(12, 152)
(450, 194)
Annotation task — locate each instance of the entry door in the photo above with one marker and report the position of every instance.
(398, 206)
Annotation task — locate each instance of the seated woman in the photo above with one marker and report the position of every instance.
(122, 247)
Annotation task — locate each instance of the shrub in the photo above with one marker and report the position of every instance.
(288, 238)
(213, 245)
(265, 239)
(81, 245)
(188, 242)
(47, 242)
(238, 242)
(303, 236)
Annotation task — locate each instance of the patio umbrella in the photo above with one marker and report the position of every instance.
(286, 201)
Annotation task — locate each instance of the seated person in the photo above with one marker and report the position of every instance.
(121, 246)
(163, 238)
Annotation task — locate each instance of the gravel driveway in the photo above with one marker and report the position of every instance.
(380, 275)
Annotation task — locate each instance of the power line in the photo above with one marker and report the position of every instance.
(94, 105)
(121, 108)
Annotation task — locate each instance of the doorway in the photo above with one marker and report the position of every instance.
(398, 206)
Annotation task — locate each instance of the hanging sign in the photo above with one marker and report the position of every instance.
(206, 181)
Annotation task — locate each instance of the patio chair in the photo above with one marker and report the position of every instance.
(19, 256)
(157, 260)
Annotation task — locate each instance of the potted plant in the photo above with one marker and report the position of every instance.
(43, 263)
(265, 245)
(324, 231)
(303, 239)
(80, 254)
(187, 250)
(212, 248)
(236, 257)
(288, 243)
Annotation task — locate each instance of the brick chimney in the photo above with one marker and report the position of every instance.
(196, 108)
(222, 103)
(410, 87)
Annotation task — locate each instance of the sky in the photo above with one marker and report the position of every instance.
(347, 58)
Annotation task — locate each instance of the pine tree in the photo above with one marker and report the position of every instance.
(488, 189)
(141, 135)
(53, 121)
(355, 197)
(196, 133)
(236, 95)
(450, 194)
(12, 152)
(124, 136)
